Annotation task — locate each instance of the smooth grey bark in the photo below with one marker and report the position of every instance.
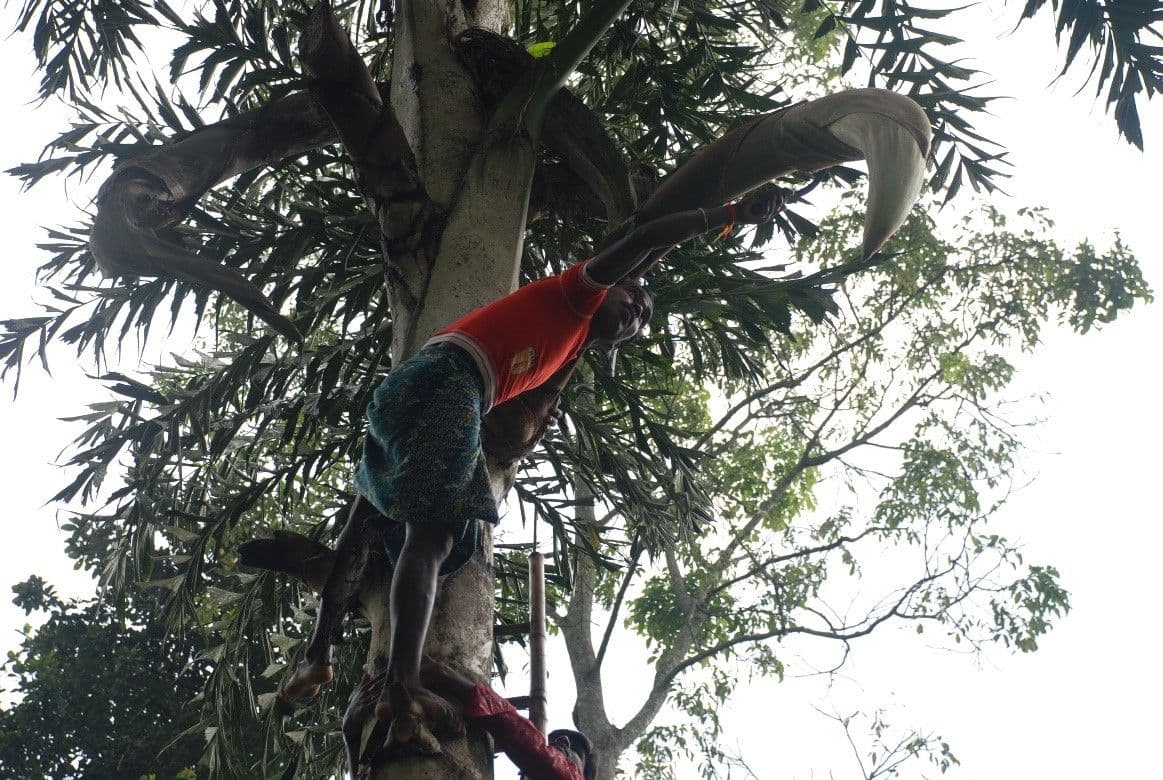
(483, 189)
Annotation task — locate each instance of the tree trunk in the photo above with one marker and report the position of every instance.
(483, 187)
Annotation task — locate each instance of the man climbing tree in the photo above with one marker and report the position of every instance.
(423, 467)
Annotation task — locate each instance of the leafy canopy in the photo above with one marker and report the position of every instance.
(239, 434)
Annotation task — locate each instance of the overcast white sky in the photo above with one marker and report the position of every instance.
(1085, 705)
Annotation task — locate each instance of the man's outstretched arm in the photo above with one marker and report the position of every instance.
(513, 734)
(630, 257)
(517, 737)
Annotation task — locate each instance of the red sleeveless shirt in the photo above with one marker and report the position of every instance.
(520, 341)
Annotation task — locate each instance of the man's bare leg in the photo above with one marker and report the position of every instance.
(314, 670)
(414, 584)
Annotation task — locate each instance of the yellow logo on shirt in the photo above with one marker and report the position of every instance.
(523, 361)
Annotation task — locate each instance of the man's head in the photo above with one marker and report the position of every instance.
(578, 748)
(623, 314)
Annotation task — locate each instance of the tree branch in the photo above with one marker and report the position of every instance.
(667, 677)
(803, 552)
(849, 346)
(631, 570)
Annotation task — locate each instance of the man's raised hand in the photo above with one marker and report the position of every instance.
(760, 205)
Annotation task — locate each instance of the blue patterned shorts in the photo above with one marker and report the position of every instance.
(422, 459)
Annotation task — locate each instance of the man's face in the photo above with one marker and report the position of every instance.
(623, 314)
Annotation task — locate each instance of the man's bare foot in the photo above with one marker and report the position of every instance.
(308, 678)
(414, 716)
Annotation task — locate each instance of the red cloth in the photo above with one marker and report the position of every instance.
(521, 340)
(518, 737)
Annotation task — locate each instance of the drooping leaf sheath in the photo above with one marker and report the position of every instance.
(146, 196)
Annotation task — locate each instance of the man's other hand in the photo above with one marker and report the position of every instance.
(760, 205)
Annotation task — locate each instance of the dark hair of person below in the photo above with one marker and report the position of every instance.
(580, 745)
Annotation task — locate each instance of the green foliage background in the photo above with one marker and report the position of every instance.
(707, 448)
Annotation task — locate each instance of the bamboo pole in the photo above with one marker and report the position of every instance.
(537, 697)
